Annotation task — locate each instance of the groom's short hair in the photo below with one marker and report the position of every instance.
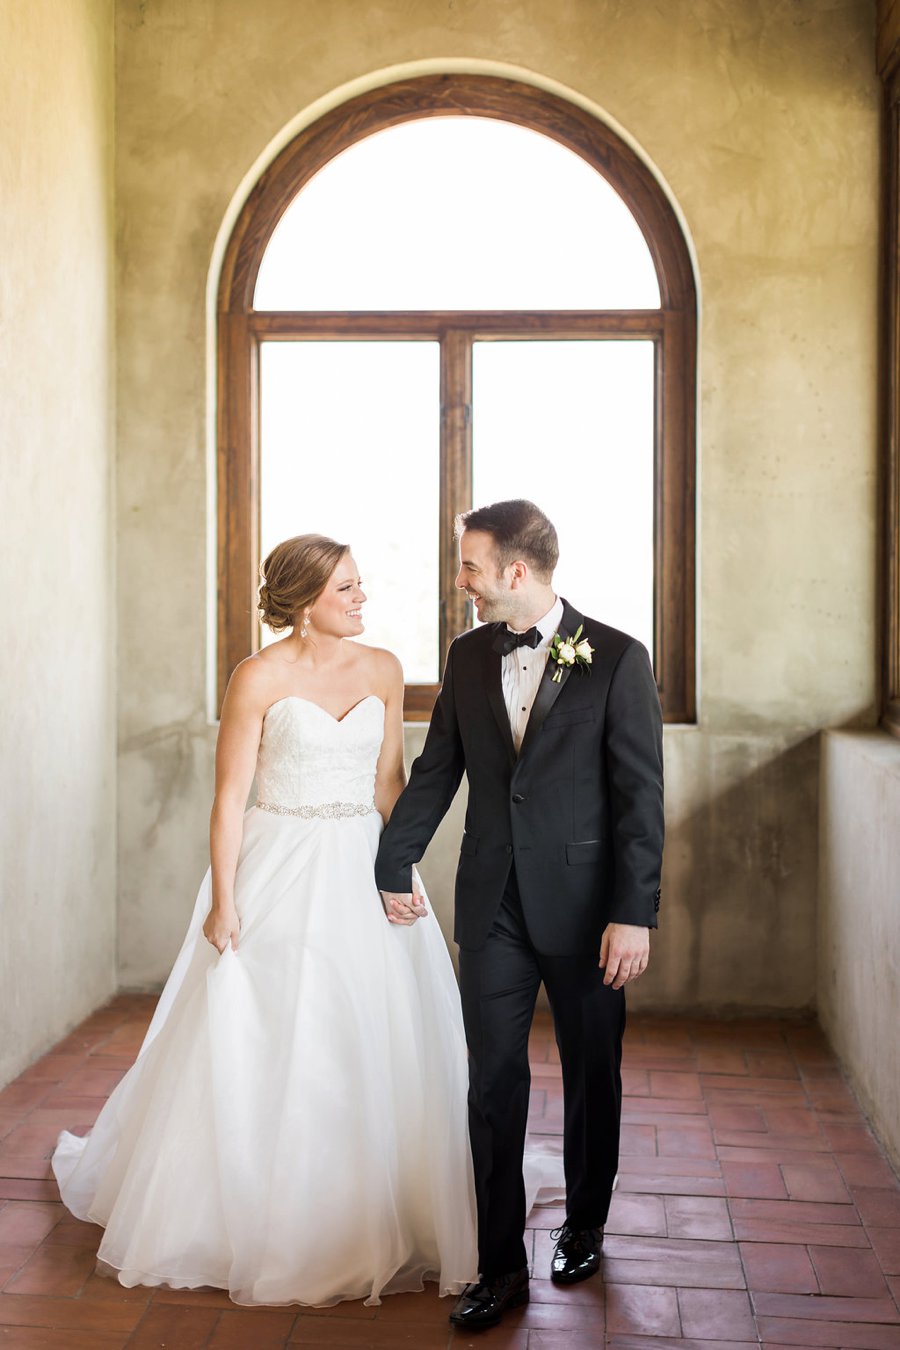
(519, 529)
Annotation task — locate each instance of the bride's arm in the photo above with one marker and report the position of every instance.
(240, 729)
(390, 775)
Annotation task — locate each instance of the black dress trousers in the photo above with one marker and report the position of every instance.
(499, 984)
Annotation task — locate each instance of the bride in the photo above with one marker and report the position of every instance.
(294, 1128)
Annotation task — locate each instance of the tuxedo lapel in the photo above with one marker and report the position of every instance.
(549, 689)
(493, 683)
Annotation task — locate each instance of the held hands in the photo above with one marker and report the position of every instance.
(624, 953)
(404, 909)
(222, 926)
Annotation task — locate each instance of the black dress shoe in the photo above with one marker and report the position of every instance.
(483, 1304)
(577, 1254)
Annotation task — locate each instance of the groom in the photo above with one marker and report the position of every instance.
(558, 877)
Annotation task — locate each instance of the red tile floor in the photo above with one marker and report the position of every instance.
(754, 1208)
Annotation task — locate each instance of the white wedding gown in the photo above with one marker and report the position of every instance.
(294, 1128)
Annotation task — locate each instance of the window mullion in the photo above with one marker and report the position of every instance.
(456, 472)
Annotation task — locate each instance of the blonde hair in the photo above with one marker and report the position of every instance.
(294, 575)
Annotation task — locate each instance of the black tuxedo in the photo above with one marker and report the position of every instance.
(559, 841)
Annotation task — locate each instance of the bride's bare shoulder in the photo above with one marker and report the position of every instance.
(382, 669)
(378, 659)
(254, 679)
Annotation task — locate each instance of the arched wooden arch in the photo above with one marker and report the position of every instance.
(672, 327)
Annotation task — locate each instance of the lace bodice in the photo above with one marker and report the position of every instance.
(309, 758)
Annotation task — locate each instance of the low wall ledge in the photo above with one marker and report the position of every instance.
(877, 747)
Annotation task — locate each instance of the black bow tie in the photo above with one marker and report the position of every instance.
(506, 642)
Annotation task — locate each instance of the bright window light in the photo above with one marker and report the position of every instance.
(349, 441)
(457, 213)
(569, 425)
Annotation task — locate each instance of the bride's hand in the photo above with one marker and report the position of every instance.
(222, 926)
(404, 909)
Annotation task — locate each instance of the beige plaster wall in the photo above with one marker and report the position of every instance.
(57, 661)
(859, 936)
(762, 119)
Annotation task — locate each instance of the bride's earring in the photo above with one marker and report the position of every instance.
(304, 627)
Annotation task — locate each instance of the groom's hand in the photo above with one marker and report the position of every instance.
(404, 909)
(624, 953)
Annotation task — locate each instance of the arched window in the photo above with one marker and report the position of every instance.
(447, 291)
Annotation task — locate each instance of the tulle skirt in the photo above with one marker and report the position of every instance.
(294, 1128)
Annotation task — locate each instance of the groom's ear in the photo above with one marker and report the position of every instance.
(518, 572)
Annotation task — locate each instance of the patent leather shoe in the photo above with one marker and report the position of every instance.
(577, 1254)
(483, 1304)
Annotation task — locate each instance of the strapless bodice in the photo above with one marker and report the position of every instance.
(309, 759)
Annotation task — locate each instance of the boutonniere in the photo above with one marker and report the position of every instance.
(568, 651)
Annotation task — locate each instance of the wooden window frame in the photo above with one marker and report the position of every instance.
(890, 434)
(672, 328)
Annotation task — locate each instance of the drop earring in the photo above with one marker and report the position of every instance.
(304, 627)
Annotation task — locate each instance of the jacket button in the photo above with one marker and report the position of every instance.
(509, 848)
(517, 797)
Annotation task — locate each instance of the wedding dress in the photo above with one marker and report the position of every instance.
(294, 1128)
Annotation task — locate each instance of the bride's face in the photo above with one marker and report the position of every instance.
(338, 610)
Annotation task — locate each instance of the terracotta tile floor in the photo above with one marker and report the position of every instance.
(754, 1208)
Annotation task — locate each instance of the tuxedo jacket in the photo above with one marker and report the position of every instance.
(579, 811)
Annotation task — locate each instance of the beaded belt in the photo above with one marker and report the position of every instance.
(326, 811)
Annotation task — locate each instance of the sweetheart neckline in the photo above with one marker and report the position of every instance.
(338, 721)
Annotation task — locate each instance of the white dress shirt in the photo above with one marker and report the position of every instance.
(521, 671)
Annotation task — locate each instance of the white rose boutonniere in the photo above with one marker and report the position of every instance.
(568, 651)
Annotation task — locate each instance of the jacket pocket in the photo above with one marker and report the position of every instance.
(469, 844)
(567, 717)
(591, 851)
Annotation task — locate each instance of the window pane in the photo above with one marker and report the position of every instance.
(569, 425)
(457, 213)
(349, 448)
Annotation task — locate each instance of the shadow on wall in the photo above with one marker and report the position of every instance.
(738, 919)
(739, 878)
(737, 925)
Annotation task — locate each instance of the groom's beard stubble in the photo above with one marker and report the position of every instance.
(495, 609)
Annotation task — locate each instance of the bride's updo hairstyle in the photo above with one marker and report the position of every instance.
(294, 575)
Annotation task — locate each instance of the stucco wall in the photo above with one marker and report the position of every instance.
(763, 121)
(57, 660)
(859, 936)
